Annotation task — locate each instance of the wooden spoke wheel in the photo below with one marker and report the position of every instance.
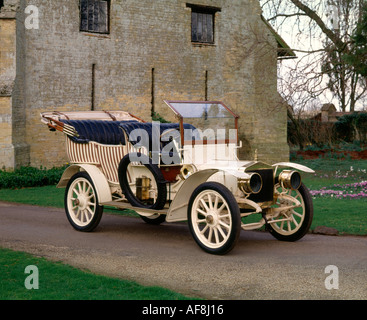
(214, 218)
(81, 203)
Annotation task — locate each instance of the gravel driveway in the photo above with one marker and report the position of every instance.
(259, 267)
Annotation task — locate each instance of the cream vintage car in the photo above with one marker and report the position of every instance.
(182, 171)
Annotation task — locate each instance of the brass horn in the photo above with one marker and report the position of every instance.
(187, 170)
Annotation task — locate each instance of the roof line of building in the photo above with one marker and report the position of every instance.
(284, 50)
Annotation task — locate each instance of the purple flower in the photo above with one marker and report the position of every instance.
(356, 190)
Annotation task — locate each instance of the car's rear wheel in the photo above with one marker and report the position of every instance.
(81, 203)
(214, 218)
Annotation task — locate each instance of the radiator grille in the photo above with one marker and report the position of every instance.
(267, 191)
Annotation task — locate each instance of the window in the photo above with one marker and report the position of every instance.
(202, 23)
(1, 4)
(94, 16)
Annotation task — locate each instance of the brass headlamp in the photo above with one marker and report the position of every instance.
(252, 184)
(290, 179)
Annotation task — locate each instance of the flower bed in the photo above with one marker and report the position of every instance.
(354, 190)
(347, 191)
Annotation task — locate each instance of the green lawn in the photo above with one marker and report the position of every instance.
(347, 215)
(47, 196)
(57, 281)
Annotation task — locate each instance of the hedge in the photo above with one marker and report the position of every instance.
(348, 128)
(26, 177)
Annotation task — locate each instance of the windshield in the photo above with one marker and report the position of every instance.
(201, 109)
(212, 121)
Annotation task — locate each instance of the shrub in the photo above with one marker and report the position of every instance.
(157, 117)
(351, 126)
(26, 177)
(310, 132)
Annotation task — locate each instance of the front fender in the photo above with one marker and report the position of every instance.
(294, 166)
(99, 180)
(178, 208)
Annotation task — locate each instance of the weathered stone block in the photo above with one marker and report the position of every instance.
(147, 57)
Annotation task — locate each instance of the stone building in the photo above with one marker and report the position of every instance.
(130, 55)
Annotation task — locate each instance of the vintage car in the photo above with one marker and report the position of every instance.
(182, 171)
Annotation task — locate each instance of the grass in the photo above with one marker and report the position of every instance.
(331, 171)
(347, 215)
(47, 196)
(58, 281)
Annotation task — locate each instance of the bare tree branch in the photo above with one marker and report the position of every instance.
(320, 33)
(315, 17)
(286, 15)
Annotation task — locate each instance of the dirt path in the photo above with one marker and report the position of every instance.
(259, 267)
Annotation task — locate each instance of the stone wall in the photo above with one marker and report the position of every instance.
(147, 57)
(14, 151)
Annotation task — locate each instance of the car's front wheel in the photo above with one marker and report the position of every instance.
(214, 218)
(296, 218)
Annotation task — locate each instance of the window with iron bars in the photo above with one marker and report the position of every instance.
(202, 23)
(94, 16)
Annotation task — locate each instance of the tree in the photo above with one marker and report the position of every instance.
(358, 55)
(322, 33)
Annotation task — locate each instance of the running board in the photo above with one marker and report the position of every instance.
(142, 211)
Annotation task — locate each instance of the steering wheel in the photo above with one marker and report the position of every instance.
(175, 136)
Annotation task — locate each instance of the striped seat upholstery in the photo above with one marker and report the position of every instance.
(101, 143)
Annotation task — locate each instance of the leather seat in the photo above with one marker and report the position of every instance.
(104, 132)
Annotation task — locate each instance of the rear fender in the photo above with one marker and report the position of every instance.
(99, 180)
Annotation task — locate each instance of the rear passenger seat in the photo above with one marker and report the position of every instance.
(104, 132)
